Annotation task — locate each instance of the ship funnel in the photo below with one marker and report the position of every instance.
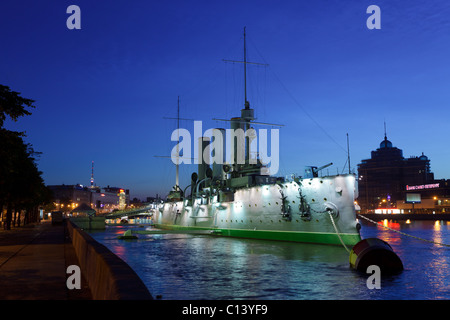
(218, 153)
(204, 160)
(238, 143)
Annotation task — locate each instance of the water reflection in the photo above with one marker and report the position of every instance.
(185, 266)
(384, 232)
(438, 266)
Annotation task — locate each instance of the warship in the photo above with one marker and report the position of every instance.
(241, 200)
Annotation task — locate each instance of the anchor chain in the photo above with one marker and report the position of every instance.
(402, 233)
(306, 209)
(285, 207)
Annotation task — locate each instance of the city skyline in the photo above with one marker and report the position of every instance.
(103, 92)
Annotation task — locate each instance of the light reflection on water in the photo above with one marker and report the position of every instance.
(184, 266)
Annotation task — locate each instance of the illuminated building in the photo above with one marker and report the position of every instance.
(68, 197)
(383, 178)
(110, 198)
(428, 198)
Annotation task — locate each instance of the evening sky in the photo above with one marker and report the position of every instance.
(102, 93)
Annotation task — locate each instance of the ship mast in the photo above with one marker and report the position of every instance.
(245, 62)
(348, 155)
(247, 114)
(177, 178)
(176, 192)
(246, 103)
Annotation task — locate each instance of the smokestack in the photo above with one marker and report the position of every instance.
(203, 142)
(219, 155)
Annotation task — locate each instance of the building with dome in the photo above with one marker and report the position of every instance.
(383, 178)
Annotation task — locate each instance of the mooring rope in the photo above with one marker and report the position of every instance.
(337, 232)
(405, 234)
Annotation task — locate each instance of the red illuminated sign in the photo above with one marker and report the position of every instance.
(423, 186)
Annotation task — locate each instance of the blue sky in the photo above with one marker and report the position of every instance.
(102, 92)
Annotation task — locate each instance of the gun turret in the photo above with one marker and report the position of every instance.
(312, 172)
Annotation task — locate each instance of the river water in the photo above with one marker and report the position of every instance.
(192, 267)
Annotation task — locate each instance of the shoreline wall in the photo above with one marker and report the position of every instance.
(108, 276)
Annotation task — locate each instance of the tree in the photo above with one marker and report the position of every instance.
(21, 184)
(13, 105)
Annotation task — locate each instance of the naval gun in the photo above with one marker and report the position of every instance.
(313, 172)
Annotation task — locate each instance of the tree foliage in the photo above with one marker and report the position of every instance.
(21, 185)
(13, 105)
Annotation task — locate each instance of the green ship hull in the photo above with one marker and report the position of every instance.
(349, 239)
